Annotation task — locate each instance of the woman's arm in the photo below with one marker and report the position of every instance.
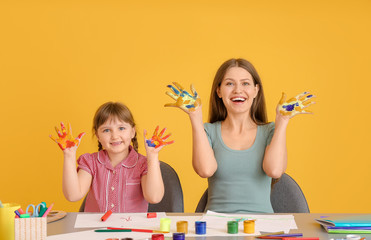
(75, 184)
(203, 158)
(275, 158)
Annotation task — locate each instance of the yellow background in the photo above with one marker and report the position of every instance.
(60, 60)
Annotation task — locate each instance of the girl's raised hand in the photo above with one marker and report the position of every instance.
(65, 139)
(184, 100)
(295, 105)
(157, 140)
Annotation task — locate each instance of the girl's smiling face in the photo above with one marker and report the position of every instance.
(115, 136)
(237, 90)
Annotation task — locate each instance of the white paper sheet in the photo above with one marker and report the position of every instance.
(216, 225)
(120, 220)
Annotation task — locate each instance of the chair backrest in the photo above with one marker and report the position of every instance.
(286, 197)
(173, 197)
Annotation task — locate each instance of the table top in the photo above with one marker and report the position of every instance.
(305, 222)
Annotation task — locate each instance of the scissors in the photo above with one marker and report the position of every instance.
(36, 210)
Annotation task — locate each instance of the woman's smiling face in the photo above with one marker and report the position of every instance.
(237, 90)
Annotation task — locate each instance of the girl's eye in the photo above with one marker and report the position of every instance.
(122, 128)
(229, 84)
(105, 130)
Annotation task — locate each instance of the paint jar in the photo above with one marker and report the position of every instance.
(165, 224)
(200, 227)
(182, 226)
(232, 227)
(158, 236)
(178, 236)
(249, 226)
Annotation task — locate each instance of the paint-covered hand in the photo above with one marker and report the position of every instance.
(295, 105)
(157, 140)
(184, 100)
(65, 139)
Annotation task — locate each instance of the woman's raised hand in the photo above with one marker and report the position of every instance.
(65, 139)
(184, 100)
(295, 105)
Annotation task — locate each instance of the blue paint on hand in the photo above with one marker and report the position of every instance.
(150, 144)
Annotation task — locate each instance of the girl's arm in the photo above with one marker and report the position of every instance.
(275, 158)
(203, 158)
(75, 184)
(152, 183)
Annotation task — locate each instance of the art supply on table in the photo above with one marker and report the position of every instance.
(178, 236)
(139, 230)
(353, 237)
(182, 226)
(293, 238)
(280, 236)
(26, 215)
(112, 230)
(151, 215)
(249, 226)
(35, 209)
(48, 210)
(56, 215)
(31, 228)
(232, 227)
(356, 225)
(1, 204)
(7, 220)
(165, 224)
(43, 209)
(200, 227)
(270, 234)
(158, 237)
(106, 216)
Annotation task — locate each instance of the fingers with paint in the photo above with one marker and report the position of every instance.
(184, 100)
(157, 140)
(295, 105)
(65, 138)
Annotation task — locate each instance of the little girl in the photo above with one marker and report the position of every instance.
(117, 177)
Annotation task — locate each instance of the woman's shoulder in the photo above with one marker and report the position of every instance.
(210, 126)
(267, 128)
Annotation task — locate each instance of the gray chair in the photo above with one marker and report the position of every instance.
(173, 196)
(286, 197)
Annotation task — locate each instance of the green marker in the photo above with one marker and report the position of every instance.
(112, 230)
(26, 215)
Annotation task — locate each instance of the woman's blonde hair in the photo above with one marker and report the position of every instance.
(217, 110)
(114, 110)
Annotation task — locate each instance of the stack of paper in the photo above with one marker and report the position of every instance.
(354, 224)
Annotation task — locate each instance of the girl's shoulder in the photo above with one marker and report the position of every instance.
(92, 157)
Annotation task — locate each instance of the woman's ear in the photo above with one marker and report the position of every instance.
(256, 90)
(218, 92)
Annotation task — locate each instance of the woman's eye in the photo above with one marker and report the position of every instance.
(246, 83)
(229, 84)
